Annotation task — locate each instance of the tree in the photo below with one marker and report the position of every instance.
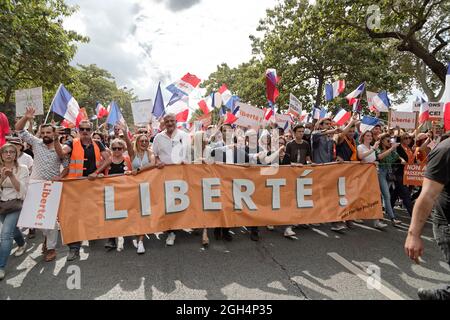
(401, 23)
(34, 46)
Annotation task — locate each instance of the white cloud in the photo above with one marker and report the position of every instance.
(143, 42)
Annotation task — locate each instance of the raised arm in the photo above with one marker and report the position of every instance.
(29, 115)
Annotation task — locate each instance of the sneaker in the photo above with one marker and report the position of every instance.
(73, 254)
(254, 235)
(270, 228)
(2, 274)
(358, 221)
(140, 249)
(120, 242)
(170, 241)
(20, 250)
(395, 222)
(289, 232)
(135, 243)
(110, 244)
(379, 224)
(336, 226)
(50, 255)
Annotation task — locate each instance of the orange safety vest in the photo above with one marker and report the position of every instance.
(76, 166)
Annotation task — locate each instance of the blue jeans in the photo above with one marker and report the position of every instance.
(385, 194)
(9, 233)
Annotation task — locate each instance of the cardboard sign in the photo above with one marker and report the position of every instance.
(404, 120)
(29, 98)
(249, 116)
(413, 174)
(295, 106)
(41, 205)
(142, 112)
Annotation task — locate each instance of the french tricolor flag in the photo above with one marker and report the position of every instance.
(65, 105)
(268, 113)
(205, 107)
(334, 90)
(446, 100)
(180, 108)
(424, 112)
(355, 94)
(272, 80)
(225, 93)
(342, 117)
(185, 85)
(381, 102)
(101, 111)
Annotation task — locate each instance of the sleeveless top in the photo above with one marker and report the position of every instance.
(139, 163)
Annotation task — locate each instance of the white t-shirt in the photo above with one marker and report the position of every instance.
(173, 150)
(370, 158)
(26, 160)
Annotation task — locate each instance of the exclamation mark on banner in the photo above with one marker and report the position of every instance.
(341, 189)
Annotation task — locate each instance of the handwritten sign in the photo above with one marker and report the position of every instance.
(249, 116)
(29, 98)
(404, 120)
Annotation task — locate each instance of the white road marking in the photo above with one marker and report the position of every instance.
(388, 293)
(363, 226)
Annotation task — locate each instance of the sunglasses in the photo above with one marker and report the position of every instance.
(85, 129)
(116, 149)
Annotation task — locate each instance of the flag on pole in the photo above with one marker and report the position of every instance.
(424, 112)
(272, 81)
(370, 96)
(368, 123)
(183, 116)
(225, 93)
(230, 119)
(446, 100)
(65, 105)
(205, 107)
(158, 107)
(351, 97)
(185, 85)
(101, 111)
(82, 115)
(342, 117)
(334, 90)
(381, 102)
(115, 115)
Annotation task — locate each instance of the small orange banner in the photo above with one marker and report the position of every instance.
(413, 174)
(207, 196)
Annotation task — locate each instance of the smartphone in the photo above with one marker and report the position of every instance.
(67, 131)
(393, 140)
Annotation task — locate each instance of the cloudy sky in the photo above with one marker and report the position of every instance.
(142, 42)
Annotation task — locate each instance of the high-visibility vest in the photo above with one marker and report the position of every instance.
(76, 166)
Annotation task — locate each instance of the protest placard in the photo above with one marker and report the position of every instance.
(29, 98)
(413, 174)
(142, 111)
(41, 205)
(249, 116)
(295, 106)
(404, 120)
(283, 121)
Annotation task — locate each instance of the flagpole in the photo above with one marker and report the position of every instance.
(50, 108)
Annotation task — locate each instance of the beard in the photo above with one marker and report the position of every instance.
(47, 140)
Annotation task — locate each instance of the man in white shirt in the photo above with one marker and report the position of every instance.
(172, 146)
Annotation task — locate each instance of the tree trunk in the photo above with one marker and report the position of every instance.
(320, 90)
(8, 95)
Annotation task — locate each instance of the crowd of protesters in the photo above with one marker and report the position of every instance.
(55, 153)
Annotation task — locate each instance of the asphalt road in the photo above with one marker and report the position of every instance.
(320, 264)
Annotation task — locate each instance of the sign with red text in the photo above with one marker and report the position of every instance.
(41, 205)
(249, 116)
(404, 120)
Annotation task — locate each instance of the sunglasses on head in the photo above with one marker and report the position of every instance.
(116, 148)
(85, 129)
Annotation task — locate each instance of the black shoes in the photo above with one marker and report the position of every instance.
(222, 233)
(254, 235)
(73, 254)
(110, 244)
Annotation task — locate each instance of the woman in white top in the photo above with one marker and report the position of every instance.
(13, 182)
(366, 153)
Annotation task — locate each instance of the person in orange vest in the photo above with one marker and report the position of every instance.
(86, 156)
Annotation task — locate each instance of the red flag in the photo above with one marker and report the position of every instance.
(271, 85)
(183, 116)
(82, 115)
(4, 128)
(231, 118)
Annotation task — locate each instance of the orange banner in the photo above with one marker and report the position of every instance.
(413, 174)
(207, 196)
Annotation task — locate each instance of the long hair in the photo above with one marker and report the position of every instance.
(3, 148)
(136, 142)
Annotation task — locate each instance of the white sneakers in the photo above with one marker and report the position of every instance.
(2, 274)
(338, 226)
(20, 250)
(140, 248)
(289, 232)
(270, 228)
(379, 224)
(170, 241)
(120, 242)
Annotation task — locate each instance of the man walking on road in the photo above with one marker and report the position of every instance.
(435, 192)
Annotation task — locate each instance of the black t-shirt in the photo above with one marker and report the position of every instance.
(438, 170)
(344, 151)
(117, 168)
(286, 160)
(89, 154)
(399, 169)
(298, 151)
